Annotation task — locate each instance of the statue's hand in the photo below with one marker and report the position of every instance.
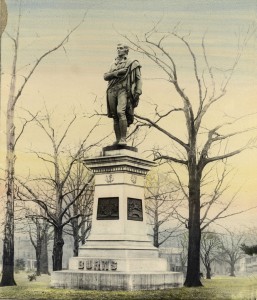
(122, 71)
(136, 100)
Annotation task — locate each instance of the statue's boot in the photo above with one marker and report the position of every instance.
(116, 127)
(123, 132)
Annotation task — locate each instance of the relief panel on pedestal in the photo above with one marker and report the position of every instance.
(135, 209)
(108, 208)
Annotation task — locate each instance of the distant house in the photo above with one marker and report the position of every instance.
(31, 265)
(217, 268)
(244, 266)
(248, 264)
(173, 256)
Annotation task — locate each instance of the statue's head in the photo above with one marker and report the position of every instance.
(122, 49)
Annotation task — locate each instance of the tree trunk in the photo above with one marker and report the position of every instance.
(38, 247)
(84, 230)
(57, 249)
(75, 230)
(8, 244)
(38, 260)
(193, 262)
(83, 236)
(44, 254)
(156, 236)
(76, 246)
(8, 247)
(156, 227)
(208, 272)
(232, 270)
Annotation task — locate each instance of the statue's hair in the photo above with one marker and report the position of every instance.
(125, 46)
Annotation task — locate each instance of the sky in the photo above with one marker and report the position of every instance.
(72, 77)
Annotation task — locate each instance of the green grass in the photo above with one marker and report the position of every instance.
(217, 288)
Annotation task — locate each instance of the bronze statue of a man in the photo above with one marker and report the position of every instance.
(124, 89)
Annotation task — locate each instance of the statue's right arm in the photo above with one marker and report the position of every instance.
(115, 74)
(110, 75)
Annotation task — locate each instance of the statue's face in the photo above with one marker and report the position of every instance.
(122, 50)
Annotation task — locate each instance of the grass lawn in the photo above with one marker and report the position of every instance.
(217, 288)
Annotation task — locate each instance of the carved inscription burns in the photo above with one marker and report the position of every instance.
(108, 208)
(98, 265)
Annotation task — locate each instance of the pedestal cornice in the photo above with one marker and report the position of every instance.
(121, 160)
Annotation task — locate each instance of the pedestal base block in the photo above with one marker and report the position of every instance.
(116, 281)
(118, 254)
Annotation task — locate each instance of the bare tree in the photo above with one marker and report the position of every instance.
(56, 197)
(47, 236)
(14, 96)
(210, 243)
(183, 244)
(28, 221)
(162, 201)
(230, 248)
(216, 201)
(200, 145)
(39, 237)
(82, 208)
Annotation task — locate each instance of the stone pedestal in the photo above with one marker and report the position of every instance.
(118, 254)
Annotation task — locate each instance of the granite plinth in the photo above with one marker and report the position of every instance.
(116, 281)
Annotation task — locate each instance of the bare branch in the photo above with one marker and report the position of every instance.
(194, 62)
(152, 123)
(170, 158)
(22, 130)
(43, 56)
(77, 196)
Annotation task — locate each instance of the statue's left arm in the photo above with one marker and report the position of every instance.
(137, 82)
